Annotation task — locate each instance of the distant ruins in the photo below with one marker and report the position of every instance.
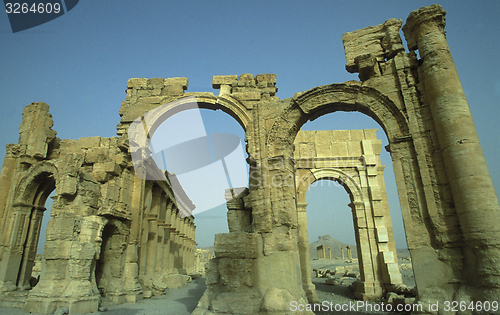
(114, 233)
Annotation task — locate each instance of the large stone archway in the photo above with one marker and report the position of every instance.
(20, 248)
(452, 241)
(449, 205)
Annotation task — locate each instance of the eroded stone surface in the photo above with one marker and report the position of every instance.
(449, 206)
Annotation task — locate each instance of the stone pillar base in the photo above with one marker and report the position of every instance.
(310, 290)
(134, 297)
(7, 286)
(367, 291)
(49, 305)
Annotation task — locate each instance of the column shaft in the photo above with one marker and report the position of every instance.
(474, 195)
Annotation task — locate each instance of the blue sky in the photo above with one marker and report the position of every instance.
(79, 64)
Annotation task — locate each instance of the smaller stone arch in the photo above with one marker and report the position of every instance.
(358, 173)
(27, 211)
(41, 176)
(352, 188)
(109, 267)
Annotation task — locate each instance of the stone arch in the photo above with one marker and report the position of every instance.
(327, 99)
(142, 129)
(376, 274)
(345, 180)
(110, 259)
(38, 176)
(350, 97)
(28, 208)
(226, 103)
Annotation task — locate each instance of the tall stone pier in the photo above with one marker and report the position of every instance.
(474, 195)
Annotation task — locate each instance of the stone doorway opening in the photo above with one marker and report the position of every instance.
(31, 213)
(109, 265)
(352, 159)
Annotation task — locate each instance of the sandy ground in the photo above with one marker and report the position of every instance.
(175, 302)
(184, 300)
(342, 295)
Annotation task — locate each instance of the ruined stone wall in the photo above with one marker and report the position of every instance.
(106, 226)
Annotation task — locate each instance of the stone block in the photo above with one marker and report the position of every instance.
(370, 134)
(382, 235)
(98, 154)
(339, 149)
(88, 142)
(152, 101)
(67, 186)
(58, 249)
(340, 135)
(267, 77)
(236, 303)
(276, 242)
(155, 82)
(375, 193)
(159, 287)
(99, 172)
(388, 257)
(307, 150)
(212, 271)
(235, 273)
(174, 89)
(112, 168)
(60, 228)
(247, 96)
(277, 300)
(121, 159)
(218, 80)
(136, 82)
(354, 148)
(238, 245)
(238, 220)
(184, 82)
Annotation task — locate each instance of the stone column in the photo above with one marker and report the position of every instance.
(143, 229)
(160, 225)
(177, 245)
(12, 256)
(192, 246)
(131, 270)
(31, 246)
(151, 245)
(474, 195)
(6, 177)
(183, 242)
(166, 239)
(171, 262)
(160, 233)
(305, 256)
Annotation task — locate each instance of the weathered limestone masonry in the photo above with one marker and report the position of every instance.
(352, 158)
(450, 208)
(111, 233)
(201, 258)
